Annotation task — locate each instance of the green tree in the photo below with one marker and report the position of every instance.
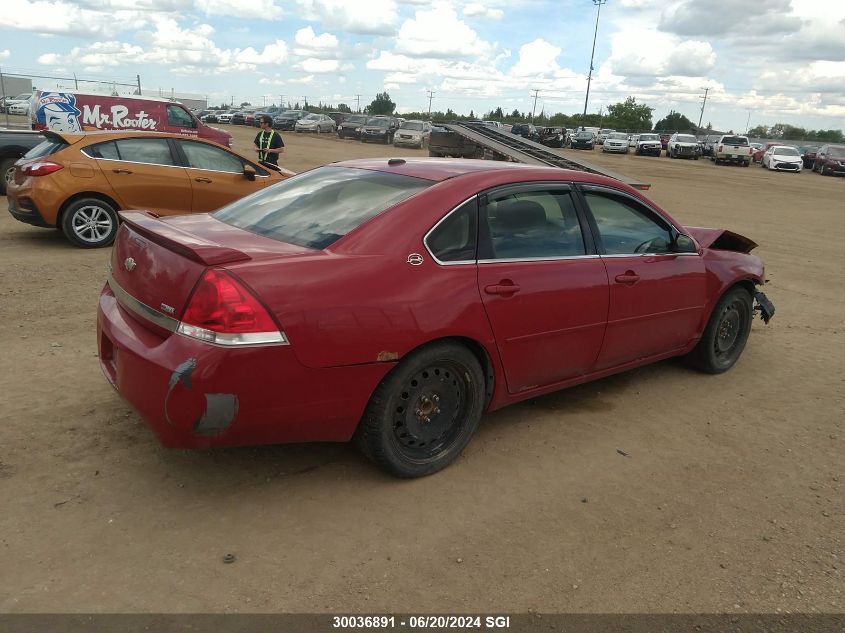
(245, 103)
(674, 122)
(761, 131)
(381, 104)
(342, 107)
(629, 115)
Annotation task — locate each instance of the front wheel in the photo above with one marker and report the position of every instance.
(726, 333)
(89, 223)
(423, 414)
(7, 173)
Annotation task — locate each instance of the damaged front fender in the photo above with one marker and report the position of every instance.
(721, 239)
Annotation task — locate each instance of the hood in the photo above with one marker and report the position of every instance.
(721, 239)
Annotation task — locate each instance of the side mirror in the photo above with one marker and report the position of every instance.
(249, 172)
(683, 244)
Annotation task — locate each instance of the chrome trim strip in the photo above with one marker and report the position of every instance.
(142, 309)
(135, 162)
(666, 254)
(536, 259)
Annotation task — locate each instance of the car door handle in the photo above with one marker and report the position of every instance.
(629, 278)
(121, 171)
(202, 179)
(502, 289)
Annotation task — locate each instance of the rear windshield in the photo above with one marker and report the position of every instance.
(734, 140)
(318, 207)
(46, 148)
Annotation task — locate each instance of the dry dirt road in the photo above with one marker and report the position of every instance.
(730, 498)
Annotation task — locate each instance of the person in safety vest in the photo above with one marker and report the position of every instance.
(268, 143)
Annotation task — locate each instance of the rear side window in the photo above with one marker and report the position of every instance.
(46, 148)
(102, 150)
(454, 239)
(318, 207)
(153, 151)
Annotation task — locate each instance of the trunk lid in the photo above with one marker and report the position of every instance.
(158, 261)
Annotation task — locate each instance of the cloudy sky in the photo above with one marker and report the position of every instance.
(766, 61)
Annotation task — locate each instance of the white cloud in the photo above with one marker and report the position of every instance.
(537, 58)
(275, 53)
(258, 9)
(309, 44)
(308, 79)
(438, 33)
(60, 17)
(5, 54)
(373, 17)
(476, 9)
(314, 65)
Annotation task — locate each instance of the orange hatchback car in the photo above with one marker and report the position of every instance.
(77, 182)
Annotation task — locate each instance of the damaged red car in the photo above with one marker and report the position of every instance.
(393, 302)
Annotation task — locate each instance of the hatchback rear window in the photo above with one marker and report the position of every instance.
(317, 208)
(46, 148)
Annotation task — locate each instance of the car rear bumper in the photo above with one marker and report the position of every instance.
(197, 395)
(25, 210)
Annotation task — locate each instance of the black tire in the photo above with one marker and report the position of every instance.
(90, 223)
(7, 173)
(726, 333)
(424, 412)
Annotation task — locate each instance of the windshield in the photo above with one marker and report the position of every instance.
(785, 151)
(356, 118)
(46, 148)
(584, 135)
(735, 140)
(412, 125)
(379, 122)
(686, 138)
(312, 117)
(649, 137)
(618, 136)
(836, 150)
(291, 114)
(318, 207)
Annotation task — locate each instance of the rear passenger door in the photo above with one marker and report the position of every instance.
(144, 174)
(544, 288)
(217, 176)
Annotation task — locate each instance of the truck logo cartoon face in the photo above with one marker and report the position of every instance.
(58, 112)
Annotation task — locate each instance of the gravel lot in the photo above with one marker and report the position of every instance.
(730, 497)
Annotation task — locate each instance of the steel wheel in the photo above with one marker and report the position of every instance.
(424, 412)
(90, 223)
(726, 333)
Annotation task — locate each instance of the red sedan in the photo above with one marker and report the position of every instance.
(394, 301)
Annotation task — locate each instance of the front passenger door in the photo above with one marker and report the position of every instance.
(657, 296)
(217, 176)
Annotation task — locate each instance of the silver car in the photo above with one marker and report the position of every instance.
(412, 134)
(317, 123)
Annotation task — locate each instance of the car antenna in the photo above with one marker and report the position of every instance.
(396, 161)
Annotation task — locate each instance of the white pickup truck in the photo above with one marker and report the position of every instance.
(732, 149)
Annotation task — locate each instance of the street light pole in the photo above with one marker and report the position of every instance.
(598, 3)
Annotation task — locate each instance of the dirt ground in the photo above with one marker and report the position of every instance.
(729, 498)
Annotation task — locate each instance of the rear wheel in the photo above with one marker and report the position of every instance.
(89, 223)
(726, 333)
(7, 173)
(424, 412)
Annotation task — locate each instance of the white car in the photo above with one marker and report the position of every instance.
(224, 117)
(682, 146)
(496, 124)
(603, 134)
(648, 144)
(632, 140)
(412, 134)
(315, 123)
(616, 142)
(19, 107)
(782, 157)
(10, 101)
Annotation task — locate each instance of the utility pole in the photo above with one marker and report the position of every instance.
(747, 122)
(598, 3)
(358, 101)
(536, 92)
(282, 101)
(430, 97)
(704, 103)
(304, 98)
(137, 77)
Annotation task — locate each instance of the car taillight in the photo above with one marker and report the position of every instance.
(41, 168)
(223, 311)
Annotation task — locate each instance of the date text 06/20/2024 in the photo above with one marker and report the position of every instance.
(421, 622)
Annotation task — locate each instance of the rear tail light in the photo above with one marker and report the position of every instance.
(41, 168)
(222, 311)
